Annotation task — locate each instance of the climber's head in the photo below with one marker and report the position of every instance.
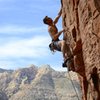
(47, 20)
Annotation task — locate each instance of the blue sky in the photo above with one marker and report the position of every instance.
(24, 38)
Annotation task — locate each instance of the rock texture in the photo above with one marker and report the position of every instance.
(81, 19)
(42, 83)
(3, 96)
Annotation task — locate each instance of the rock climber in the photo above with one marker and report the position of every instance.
(56, 44)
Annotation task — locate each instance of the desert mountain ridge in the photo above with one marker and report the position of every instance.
(33, 83)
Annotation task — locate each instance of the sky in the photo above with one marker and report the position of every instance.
(24, 38)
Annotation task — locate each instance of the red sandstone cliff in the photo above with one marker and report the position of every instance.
(82, 20)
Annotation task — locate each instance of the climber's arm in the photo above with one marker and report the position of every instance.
(57, 18)
(56, 36)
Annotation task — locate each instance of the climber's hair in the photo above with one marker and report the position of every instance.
(45, 20)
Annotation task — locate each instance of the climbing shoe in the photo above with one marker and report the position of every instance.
(64, 65)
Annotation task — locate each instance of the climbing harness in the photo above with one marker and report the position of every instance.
(54, 45)
(73, 86)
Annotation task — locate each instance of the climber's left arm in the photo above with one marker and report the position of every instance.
(57, 18)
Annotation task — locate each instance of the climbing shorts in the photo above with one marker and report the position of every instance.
(54, 45)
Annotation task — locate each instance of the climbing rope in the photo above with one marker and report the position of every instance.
(74, 86)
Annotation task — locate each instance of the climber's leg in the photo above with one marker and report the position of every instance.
(63, 49)
(69, 63)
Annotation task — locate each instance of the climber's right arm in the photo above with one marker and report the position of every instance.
(57, 18)
(56, 36)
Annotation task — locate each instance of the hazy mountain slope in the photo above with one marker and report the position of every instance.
(3, 96)
(38, 84)
(4, 70)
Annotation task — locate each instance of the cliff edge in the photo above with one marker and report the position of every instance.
(81, 19)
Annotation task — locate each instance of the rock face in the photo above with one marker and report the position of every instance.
(42, 83)
(81, 19)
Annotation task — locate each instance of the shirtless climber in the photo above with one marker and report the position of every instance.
(56, 44)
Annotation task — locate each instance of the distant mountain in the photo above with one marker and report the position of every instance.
(4, 70)
(3, 96)
(42, 83)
